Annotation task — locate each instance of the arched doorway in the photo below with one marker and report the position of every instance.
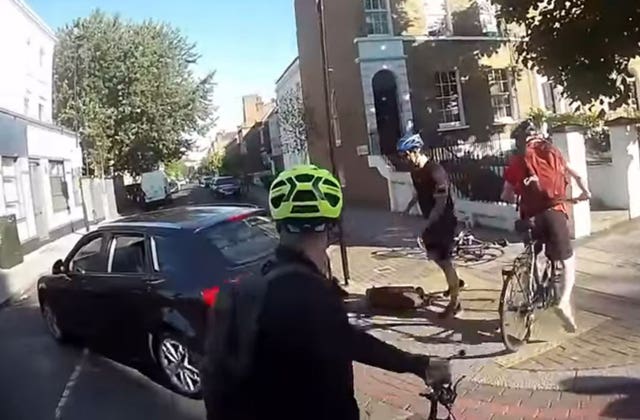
(385, 94)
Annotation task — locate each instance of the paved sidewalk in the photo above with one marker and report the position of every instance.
(592, 374)
(36, 264)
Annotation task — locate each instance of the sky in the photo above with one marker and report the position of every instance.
(249, 43)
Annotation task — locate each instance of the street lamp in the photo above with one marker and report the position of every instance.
(326, 80)
(76, 38)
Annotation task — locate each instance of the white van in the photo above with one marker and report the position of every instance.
(155, 186)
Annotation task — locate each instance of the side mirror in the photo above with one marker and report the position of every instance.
(58, 267)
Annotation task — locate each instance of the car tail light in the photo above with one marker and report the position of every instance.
(210, 295)
(238, 217)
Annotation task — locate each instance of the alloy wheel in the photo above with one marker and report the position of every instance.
(52, 322)
(177, 364)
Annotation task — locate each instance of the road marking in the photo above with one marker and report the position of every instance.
(66, 393)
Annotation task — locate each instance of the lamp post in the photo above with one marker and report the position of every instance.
(76, 113)
(326, 80)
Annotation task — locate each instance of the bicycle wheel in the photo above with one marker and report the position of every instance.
(515, 311)
(468, 255)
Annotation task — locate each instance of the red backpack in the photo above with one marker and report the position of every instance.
(545, 161)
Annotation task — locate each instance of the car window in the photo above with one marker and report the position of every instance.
(88, 258)
(127, 254)
(244, 240)
(166, 257)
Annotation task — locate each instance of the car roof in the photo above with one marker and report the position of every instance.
(186, 218)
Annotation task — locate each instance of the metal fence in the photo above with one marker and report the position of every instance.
(476, 176)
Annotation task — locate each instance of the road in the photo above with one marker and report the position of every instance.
(41, 380)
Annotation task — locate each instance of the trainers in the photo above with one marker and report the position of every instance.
(451, 310)
(565, 314)
(461, 285)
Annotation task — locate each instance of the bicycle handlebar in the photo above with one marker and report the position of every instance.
(443, 391)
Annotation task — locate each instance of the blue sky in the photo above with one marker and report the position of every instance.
(248, 42)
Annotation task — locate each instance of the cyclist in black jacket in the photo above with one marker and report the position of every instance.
(301, 365)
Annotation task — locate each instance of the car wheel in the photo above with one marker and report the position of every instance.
(178, 365)
(52, 323)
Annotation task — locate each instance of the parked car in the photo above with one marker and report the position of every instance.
(135, 194)
(226, 186)
(156, 188)
(207, 181)
(145, 283)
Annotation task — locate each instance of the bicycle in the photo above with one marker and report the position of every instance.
(443, 391)
(469, 250)
(540, 289)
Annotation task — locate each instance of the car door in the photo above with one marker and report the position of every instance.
(85, 264)
(118, 298)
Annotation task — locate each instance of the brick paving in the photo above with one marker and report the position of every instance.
(381, 254)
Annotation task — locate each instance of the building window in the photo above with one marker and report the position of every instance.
(501, 94)
(11, 187)
(59, 193)
(549, 97)
(449, 99)
(40, 112)
(26, 104)
(377, 17)
(487, 17)
(437, 18)
(41, 57)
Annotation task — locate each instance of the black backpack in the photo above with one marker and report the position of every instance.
(232, 330)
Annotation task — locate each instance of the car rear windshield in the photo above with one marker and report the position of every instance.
(225, 181)
(245, 240)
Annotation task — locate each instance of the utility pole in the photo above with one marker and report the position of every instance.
(85, 215)
(326, 79)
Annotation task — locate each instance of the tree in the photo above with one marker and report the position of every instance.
(293, 122)
(131, 92)
(177, 169)
(213, 162)
(585, 46)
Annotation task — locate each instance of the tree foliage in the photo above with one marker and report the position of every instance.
(583, 45)
(132, 91)
(212, 162)
(177, 169)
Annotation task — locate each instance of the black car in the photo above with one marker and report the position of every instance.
(226, 186)
(145, 282)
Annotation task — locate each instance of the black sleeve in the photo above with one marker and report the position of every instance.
(440, 179)
(372, 351)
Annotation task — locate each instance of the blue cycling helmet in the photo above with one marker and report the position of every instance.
(409, 143)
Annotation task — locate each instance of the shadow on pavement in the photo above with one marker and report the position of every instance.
(452, 330)
(627, 391)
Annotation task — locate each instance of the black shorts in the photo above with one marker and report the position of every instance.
(552, 228)
(439, 241)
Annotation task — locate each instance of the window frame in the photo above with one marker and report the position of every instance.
(86, 240)
(112, 242)
(63, 181)
(387, 11)
(510, 93)
(19, 203)
(447, 29)
(462, 120)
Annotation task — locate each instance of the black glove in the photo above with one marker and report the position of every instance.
(438, 372)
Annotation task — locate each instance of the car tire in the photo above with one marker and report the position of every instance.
(178, 365)
(53, 325)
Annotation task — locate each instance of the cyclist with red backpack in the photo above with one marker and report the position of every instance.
(538, 174)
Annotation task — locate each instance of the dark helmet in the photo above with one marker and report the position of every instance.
(524, 130)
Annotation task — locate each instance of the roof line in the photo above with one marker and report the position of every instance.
(37, 19)
(33, 121)
(287, 69)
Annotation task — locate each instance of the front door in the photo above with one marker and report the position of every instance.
(37, 194)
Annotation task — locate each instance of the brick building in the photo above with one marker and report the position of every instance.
(445, 66)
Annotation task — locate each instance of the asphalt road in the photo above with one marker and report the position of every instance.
(41, 380)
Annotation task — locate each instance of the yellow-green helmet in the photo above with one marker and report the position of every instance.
(305, 195)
